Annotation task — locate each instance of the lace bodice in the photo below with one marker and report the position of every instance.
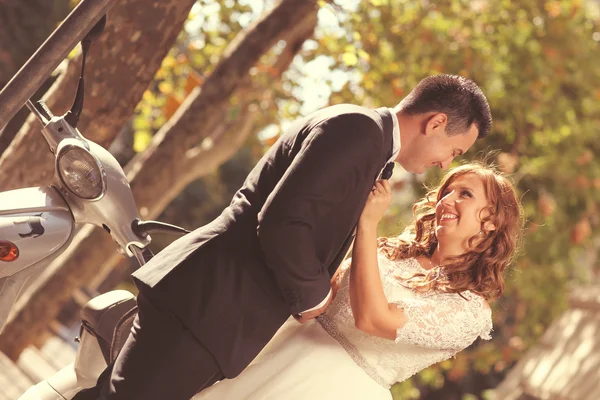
(439, 325)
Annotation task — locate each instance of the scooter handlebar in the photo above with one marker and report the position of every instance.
(143, 228)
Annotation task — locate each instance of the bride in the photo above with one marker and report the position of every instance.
(401, 304)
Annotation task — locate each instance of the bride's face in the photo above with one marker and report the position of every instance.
(459, 212)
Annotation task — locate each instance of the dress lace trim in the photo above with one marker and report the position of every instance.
(329, 326)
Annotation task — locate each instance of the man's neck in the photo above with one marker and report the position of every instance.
(405, 123)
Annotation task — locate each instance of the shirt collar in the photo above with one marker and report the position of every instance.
(396, 145)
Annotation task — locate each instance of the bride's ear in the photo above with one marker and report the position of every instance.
(489, 226)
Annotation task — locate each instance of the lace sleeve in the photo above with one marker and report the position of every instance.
(445, 321)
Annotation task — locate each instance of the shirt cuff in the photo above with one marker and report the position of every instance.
(321, 304)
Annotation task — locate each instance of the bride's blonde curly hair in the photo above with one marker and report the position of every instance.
(480, 269)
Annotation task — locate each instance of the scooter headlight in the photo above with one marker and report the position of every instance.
(81, 173)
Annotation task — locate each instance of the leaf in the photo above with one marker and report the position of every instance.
(165, 87)
(141, 140)
(171, 106)
(350, 59)
(193, 79)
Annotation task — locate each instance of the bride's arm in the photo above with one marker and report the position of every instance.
(372, 312)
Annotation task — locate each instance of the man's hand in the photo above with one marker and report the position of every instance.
(312, 314)
(335, 285)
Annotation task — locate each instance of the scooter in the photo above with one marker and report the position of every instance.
(38, 224)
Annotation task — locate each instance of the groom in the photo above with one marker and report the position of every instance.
(211, 301)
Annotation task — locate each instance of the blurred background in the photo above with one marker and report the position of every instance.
(536, 60)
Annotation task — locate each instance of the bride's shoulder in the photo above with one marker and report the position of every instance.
(469, 295)
(475, 303)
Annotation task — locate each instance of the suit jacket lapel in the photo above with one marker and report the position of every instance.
(388, 131)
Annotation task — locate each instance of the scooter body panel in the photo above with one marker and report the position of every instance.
(38, 222)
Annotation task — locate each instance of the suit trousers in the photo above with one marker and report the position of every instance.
(161, 359)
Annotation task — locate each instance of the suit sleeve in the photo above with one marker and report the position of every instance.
(336, 160)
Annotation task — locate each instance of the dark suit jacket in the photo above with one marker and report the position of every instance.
(272, 252)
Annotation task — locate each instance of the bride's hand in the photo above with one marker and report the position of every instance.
(378, 201)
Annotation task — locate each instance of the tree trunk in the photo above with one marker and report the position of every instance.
(119, 68)
(163, 165)
(24, 26)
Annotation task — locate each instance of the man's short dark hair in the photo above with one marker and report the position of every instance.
(459, 98)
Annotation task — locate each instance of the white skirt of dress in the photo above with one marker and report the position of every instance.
(301, 362)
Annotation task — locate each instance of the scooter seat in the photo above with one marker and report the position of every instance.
(109, 317)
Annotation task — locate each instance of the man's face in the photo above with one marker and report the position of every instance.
(432, 147)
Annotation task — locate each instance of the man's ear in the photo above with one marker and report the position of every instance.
(436, 123)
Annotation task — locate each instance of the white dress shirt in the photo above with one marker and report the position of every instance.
(396, 145)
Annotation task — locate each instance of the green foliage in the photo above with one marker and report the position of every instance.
(210, 27)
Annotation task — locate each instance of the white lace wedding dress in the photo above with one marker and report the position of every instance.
(331, 359)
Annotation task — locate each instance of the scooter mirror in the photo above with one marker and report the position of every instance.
(72, 116)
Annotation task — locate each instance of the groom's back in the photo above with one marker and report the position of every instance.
(271, 168)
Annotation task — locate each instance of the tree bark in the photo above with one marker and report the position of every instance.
(119, 68)
(156, 175)
(24, 26)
